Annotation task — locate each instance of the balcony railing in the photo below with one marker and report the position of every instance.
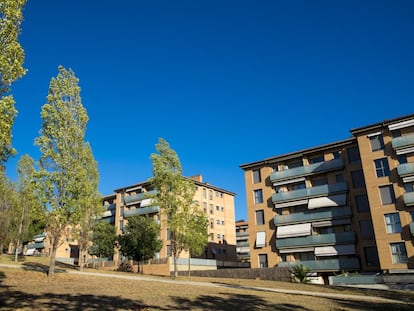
(409, 198)
(307, 170)
(240, 234)
(241, 244)
(314, 215)
(317, 191)
(135, 198)
(317, 240)
(405, 169)
(142, 211)
(108, 207)
(36, 245)
(348, 264)
(403, 141)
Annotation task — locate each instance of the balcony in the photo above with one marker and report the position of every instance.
(142, 211)
(405, 169)
(108, 207)
(36, 245)
(348, 264)
(315, 215)
(317, 240)
(241, 244)
(409, 198)
(403, 141)
(306, 170)
(307, 193)
(242, 234)
(135, 198)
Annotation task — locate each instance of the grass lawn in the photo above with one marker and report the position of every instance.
(26, 289)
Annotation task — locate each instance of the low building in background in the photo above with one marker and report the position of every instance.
(242, 241)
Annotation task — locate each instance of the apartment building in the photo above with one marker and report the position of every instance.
(242, 241)
(215, 202)
(343, 206)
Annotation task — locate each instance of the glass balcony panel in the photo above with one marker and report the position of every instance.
(405, 169)
(317, 240)
(142, 211)
(240, 234)
(409, 198)
(307, 170)
(403, 141)
(315, 215)
(309, 192)
(348, 264)
(36, 245)
(135, 198)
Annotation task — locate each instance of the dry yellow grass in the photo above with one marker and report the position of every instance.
(22, 289)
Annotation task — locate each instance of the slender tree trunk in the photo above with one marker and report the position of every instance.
(16, 251)
(53, 258)
(19, 235)
(81, 257)
(175, 265)
(189, 264)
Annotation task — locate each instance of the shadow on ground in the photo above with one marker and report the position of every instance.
(232, 302)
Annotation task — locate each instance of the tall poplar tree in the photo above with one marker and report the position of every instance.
(27, 208)
(175, 195)
(11, 69)
(66, 160)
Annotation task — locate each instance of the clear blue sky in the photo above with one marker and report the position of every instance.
(224, 82)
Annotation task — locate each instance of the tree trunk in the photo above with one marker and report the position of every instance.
(189, 264)
(81, 259)
(52, 259)
(175, 265)
(16, 251)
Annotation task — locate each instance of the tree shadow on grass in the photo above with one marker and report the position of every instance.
(370, 305)
(12, 300)
(231, 302)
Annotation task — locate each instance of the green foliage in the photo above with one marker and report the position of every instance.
(103, 239)
(11, 69)
(175, 195)
(301, 273)
(7, 202)
(141, 238)
(67, 175)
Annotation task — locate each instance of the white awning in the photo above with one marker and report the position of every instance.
(296, 250)
(408, 179)
(261, 239)
(30, 252)
(335, 250)
(330, 223)
(333, 200)
(401, 125)
(293, 230)
(374, 134)
(290, 181)
(40, 239)
(294, 203)
(107, 214)
(146, 202)
(405, 150)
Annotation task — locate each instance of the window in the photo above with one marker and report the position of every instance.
(396, 133)
(339, 178)
(366, 228)
(319, 181)
(371, 256)
(409, 187)
(393, 223)
(210, 194)
(217, 208)
(121, 225)
(353, 155)
(168, 250)
(402, 158)
(398, 253)
(256, 176)
(263, 261)
(377, 143)
(326, 230)
(387, 194)
(204, 193)
(211, 208)
(316, 159)
(211, 223)
(336, 154)
(168, 234)
(358, 180)
(362, 203)
(258, 196)
(381, 167)
(218, 221)
(260, 217)
(219, 194)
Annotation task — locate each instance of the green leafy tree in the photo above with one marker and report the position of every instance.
(175, 195)
(7, 202)
(65, 162)
(89, 208)
(141, 239)
(103, 239)
(11, 69)
(27, 208)
(301, 273)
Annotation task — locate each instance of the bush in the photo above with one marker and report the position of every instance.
(301, 272)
